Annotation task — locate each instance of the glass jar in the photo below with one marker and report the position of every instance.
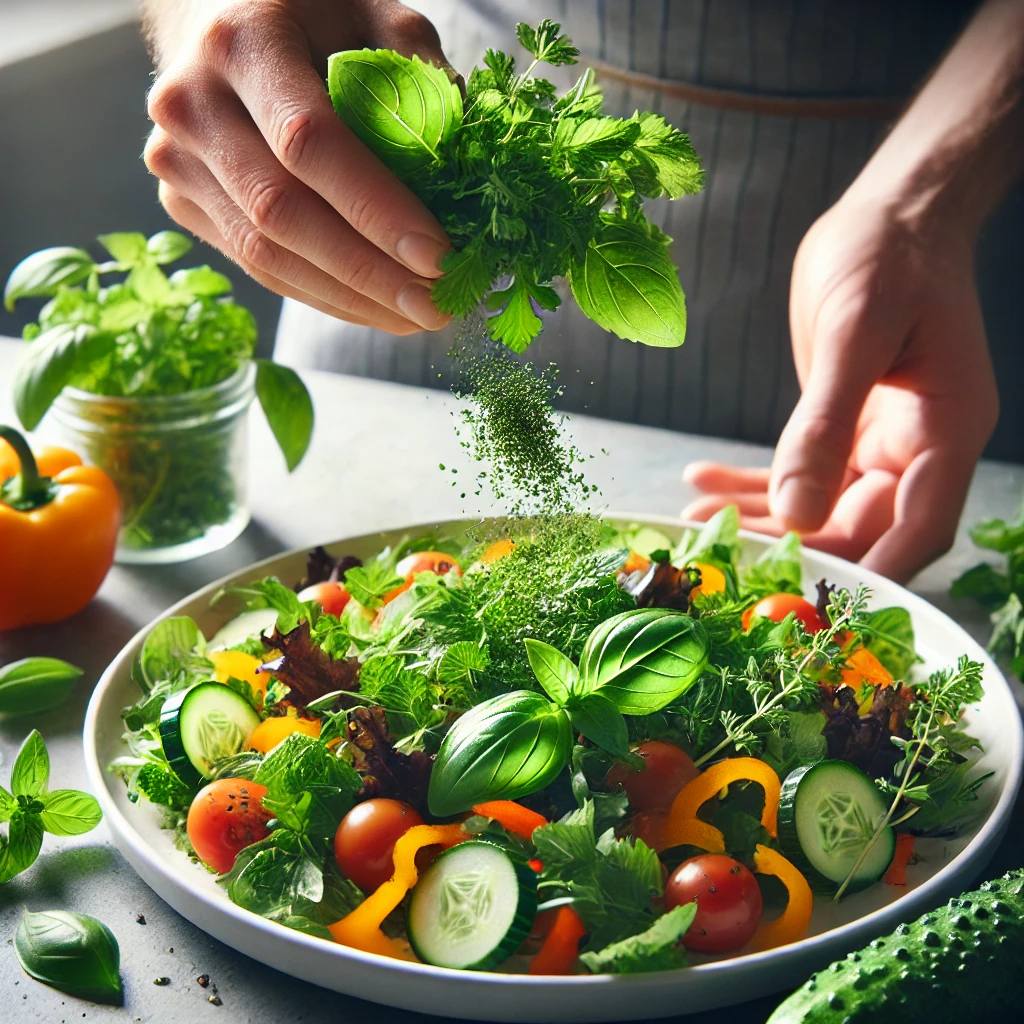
(179, 462)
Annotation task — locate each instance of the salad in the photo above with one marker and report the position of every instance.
(570, 748)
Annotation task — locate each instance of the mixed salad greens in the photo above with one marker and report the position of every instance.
(571, 749)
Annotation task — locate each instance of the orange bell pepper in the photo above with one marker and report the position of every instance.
(796, 918)
(712, 579)
(561, 946)
(361, 928)
(59, 522)
(897, 870)
(683, 827)
(512, 817)
(863, 667)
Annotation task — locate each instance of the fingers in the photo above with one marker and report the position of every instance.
(184, 176)
(749, 505)
(716, 477)
(928, 504)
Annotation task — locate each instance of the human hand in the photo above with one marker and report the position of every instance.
(898, 398)
(252, 158)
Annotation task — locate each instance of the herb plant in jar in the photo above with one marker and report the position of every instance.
(151, 376)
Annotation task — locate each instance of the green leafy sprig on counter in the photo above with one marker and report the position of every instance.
(30, 808)
(145, 335)
(530, 186)
(31, 685)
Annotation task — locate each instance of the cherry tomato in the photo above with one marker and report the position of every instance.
(226, 816)
(777, 606)
(728, 902)
(420, 561)
(366, 837)
(668, 769)
(332, 597)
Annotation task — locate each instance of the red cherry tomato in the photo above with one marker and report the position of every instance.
(332, 597)
(226, 816)
(668, 769)
(728, 902)
(421, 561)
(777, 606)
(366, 837)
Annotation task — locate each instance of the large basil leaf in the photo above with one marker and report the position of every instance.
(504, 748)
(644, 659)
(74, 953)
(127, 247)
(627, 284)
(890, 638)
(68, 812)
(31, 771)
(288, 408)
(18, 851)
(44, 272)
(554, 671)
(50, 363)
(404, 109)
(36, 684)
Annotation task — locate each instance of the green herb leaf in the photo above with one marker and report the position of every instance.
(668, 157)
(74, 953)
(405, 110)
(52, 359)
(169, 246)
(288, 408)
(150, 285)
(168, 646)
(546, 43)
(200, 281)
(985, 584)
(889, 636)
(554, 671)
(517, 324)
(1008, 633)
(46, 272)
(68, 812)
(659, 948)
(507, 747)
(643, 660)
(460, 660)
(31, 771)
(368, 584)
(778, 569)
(36, 684)
(468, 274)
(601, 722)
(627, 284)
(1000, 535)
(127, 247)
(20, 848)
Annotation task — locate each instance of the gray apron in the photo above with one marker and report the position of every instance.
(784, 102)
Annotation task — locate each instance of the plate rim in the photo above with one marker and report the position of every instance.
(986, 837)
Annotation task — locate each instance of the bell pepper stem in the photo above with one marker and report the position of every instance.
(27, 490)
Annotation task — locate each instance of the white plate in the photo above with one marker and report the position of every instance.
(945, 869)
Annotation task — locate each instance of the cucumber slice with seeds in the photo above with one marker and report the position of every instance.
(828, 813)
(472, 908)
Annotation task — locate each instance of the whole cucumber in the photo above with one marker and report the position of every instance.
(957, 963)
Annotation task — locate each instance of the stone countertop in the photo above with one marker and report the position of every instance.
(373, 464)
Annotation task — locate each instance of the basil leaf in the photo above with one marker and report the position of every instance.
(127, 247)
(288, 408)
(67, 812)
(601, 722)
(74, 953)
(200, 281)
(21, 847)
(50, 363)
(31, 770)
(36, 684)
(406, 111)
(627, 284)
(554, 671)
(45, 272)
(778, 569)
(8, 804)
(166, 646)
(168, 246)
(150, 284)
(890, 638)
(644, 659)
(504, 748)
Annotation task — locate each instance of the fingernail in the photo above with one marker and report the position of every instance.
(422, 253)
(415, 302)
(801, 503)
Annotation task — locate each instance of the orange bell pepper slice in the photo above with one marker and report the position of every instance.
(361, 928)
(794, 921)
(863, 667)
(512, 817)
(712, 579)
(561, 947)
(683, 827)
(897, 871)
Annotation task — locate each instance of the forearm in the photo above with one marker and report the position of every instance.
(959, 147)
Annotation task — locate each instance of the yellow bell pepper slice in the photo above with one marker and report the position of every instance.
(239, 665)
(361, 928)
(796, 918)
(712, 579)
(683, 827)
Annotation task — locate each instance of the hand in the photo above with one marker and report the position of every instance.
(898, 398)
(252, 158)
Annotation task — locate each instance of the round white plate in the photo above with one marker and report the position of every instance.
(946, 867)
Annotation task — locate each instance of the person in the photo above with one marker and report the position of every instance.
(897, 395)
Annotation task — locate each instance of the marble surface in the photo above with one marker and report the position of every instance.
(374, 463)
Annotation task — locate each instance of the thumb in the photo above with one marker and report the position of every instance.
(811, 456)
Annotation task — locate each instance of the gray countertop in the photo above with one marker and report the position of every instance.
(373, 464)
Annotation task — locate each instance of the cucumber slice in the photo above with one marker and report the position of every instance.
(243, 627)
(827, 814)
(202, 725)
(472, 908)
